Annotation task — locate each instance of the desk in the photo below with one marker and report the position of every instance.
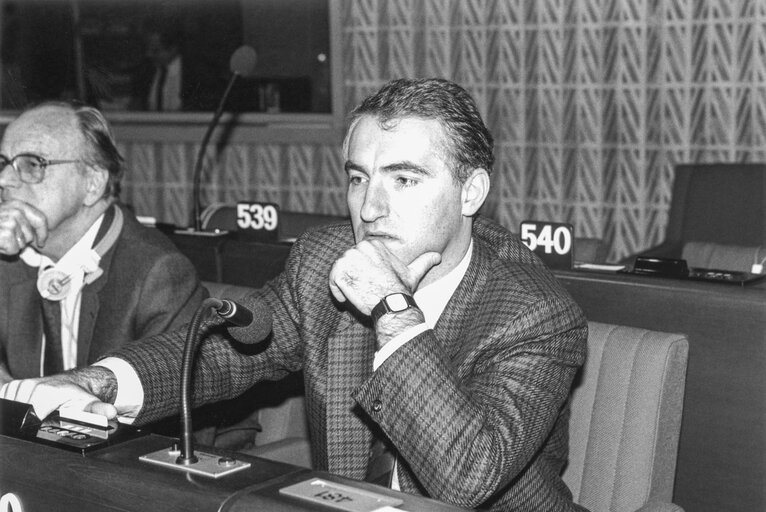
(722, 452)
(113, 479)
(231, 259)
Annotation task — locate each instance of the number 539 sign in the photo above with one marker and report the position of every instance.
(259, 220)
(551, 241)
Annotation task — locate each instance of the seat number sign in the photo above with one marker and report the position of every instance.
(335, 496)
(550, 241)
(258, 220)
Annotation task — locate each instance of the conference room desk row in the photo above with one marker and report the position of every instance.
(37, 477)
(722, 453)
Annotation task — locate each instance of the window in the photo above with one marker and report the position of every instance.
(100, 51)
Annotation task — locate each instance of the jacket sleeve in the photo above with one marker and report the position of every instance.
(466, 431)
(169, 296)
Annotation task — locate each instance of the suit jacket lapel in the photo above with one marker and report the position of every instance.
(91, 298)
(27, 333)
(351, 350)
(455, 322)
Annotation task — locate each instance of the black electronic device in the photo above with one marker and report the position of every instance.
(678, 269)
(662, 267)
(69, 430)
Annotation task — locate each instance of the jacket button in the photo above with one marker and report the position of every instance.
(377, 405)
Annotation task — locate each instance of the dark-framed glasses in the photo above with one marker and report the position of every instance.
(30, 168)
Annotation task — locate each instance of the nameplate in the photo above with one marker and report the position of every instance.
(339, 497)
(550, 241)
(258, 221)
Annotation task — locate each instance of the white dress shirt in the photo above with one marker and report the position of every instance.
(70, 263)
(171, 89)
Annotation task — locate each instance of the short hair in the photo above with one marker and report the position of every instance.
(469, 142)
(101, 148)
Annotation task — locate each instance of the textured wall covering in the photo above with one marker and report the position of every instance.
(591, 103)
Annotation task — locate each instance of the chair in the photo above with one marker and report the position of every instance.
(722, 203)
(723, 257)
(626, 419)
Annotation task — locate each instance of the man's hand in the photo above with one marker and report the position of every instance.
(21, 224)
(369, 271)
(90, 389)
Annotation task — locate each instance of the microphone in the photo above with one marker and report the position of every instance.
(252, 326)
(234, 313)
(242, 63)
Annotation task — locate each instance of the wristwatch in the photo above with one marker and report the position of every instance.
(393, 303)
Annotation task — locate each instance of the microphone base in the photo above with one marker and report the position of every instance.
(194, 232)
(208, 464)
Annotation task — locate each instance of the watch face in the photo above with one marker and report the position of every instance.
(397, 302)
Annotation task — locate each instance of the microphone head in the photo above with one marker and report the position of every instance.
(243, 60)
(259, 328)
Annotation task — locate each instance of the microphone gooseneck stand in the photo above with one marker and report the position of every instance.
(227, 311)
(201, 153)
(242, 63)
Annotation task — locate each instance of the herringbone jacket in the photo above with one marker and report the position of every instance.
(477, 408)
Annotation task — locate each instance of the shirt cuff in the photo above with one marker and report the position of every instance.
(396, 342)
(130, 392)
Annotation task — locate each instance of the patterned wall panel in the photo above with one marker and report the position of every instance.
(592, 104)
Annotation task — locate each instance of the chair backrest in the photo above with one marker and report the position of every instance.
(723, 203)
(626, 418)
(724, 257)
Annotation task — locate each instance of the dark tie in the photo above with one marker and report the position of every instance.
(163, 73)
(53, 361)
(380, 468)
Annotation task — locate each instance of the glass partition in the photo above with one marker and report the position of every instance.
(171, 55)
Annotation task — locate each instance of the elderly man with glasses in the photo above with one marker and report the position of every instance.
(79, 275)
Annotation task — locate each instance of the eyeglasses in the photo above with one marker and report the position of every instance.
(30, 168)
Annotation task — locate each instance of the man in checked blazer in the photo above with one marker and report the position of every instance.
(421, 324)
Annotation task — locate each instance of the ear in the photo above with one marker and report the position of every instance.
(96, 184)
(474, 192)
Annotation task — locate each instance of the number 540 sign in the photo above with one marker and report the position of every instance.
(551, 241)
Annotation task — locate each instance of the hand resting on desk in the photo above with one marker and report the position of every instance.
(91, 389)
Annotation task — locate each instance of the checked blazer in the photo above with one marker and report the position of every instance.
(147, 287)
(477, 407)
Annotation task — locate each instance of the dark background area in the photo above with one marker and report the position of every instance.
(40, 58)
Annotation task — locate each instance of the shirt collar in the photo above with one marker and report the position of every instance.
(33, 258)
(432, 299)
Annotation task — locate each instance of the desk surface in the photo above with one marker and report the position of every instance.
(721, 462)
(113, 479)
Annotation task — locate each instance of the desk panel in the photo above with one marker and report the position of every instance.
(722, 452)
(46, 478)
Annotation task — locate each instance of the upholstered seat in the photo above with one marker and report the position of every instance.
(626, 419)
